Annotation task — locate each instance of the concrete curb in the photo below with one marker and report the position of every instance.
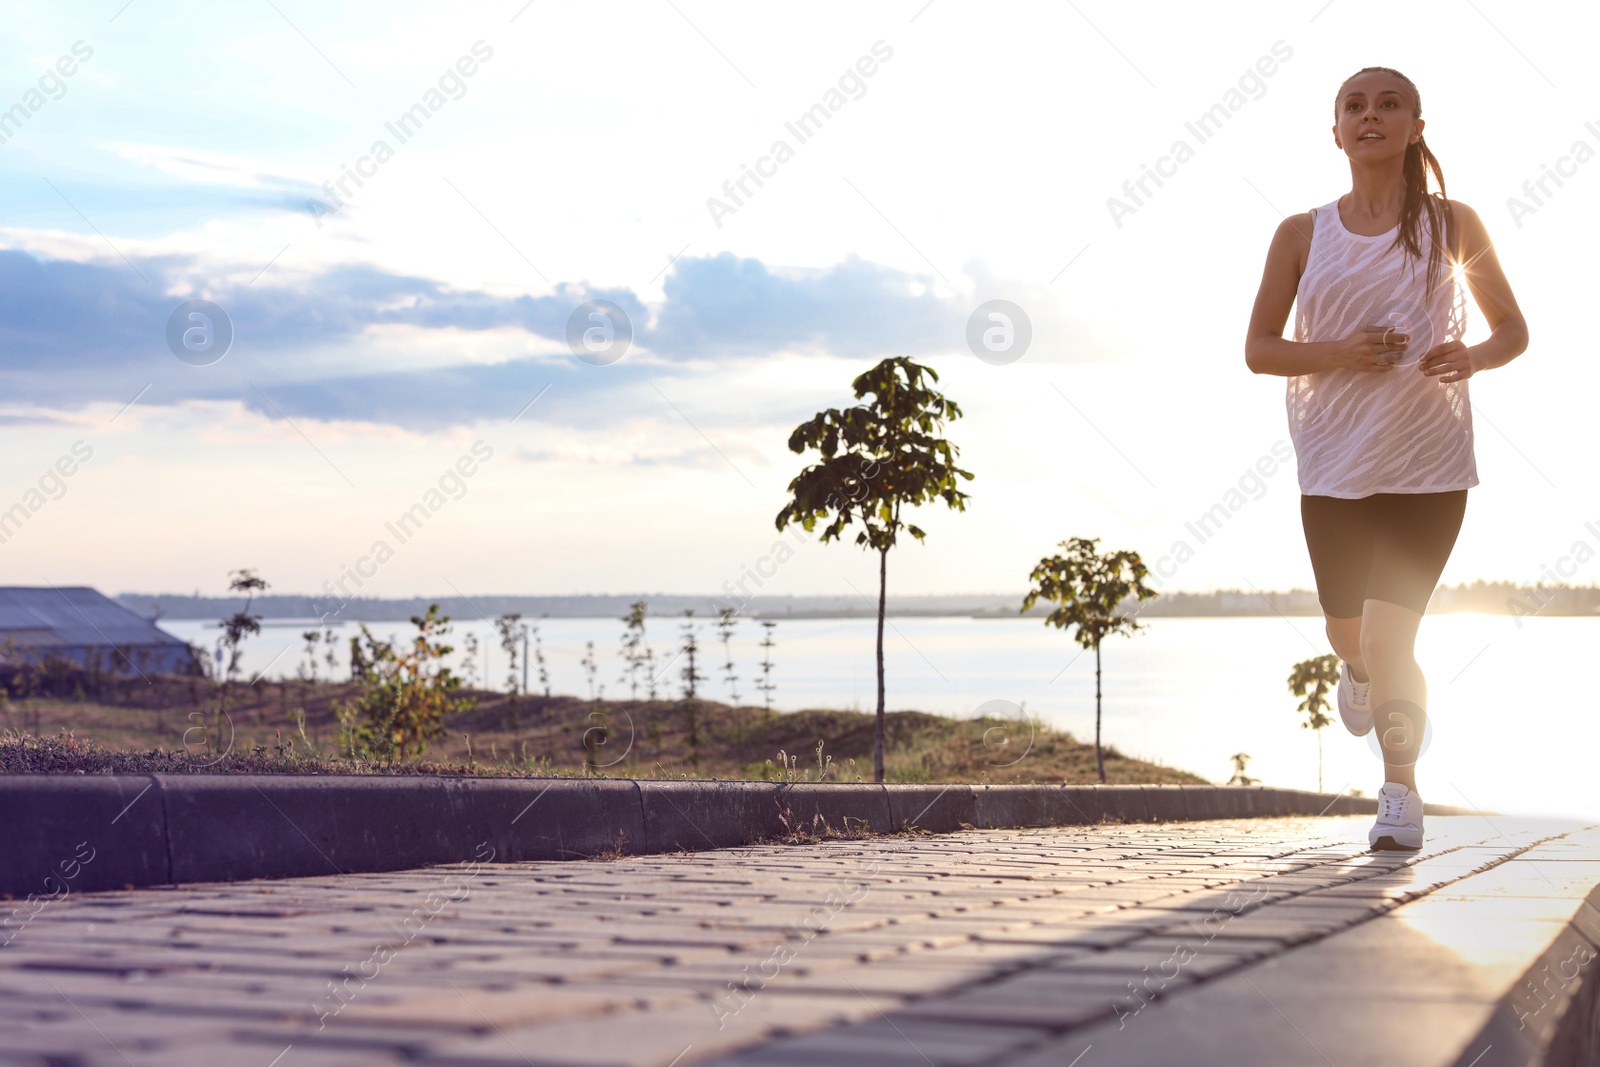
(1551, 1016)
(62, 833)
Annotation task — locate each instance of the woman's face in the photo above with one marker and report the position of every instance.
(1375, 117)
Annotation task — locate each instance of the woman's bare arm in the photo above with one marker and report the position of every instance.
(1266, 351)
(1508, 336)
(1370, 349)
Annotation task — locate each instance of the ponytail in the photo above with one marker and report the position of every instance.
(1440, 220)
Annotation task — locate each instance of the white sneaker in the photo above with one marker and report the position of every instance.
(1354, 706)
(1399, 825)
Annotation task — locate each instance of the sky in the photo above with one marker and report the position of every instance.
(396, 212)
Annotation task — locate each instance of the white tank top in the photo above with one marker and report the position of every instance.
(1356, 433)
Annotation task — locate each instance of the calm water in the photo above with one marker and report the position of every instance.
(1514, 726)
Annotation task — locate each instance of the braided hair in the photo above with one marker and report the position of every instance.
(1440, 220)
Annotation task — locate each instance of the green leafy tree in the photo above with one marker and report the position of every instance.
(1088, 588)
(878, 459)
(1313, 679)
(407, 693)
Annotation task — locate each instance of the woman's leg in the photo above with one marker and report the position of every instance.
(1399, 694)
(1345, 637)
(1339, 536)
(1412, 542)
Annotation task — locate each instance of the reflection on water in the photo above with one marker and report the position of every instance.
(1514, 725)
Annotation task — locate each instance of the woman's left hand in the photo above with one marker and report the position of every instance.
(1452, 361)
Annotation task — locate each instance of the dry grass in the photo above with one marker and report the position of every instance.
(172, 725)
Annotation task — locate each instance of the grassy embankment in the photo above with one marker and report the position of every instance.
(171, 725)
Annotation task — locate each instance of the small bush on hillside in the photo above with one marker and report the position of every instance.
(405, 695)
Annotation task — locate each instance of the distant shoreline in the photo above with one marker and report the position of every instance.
(1501, 598)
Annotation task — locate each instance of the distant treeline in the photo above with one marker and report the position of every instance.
(375, 609)
(1506, 598)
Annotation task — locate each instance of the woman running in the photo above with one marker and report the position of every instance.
(1378, 408)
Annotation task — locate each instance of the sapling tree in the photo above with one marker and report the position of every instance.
(1313, 679)
(513, 636)
(308, 669)
(1241, 760)
(633, 647)
(691, 678)
(725, 626)
(877, 460)
(469, 660)
(511, 629)
(538, 659)
(360, 664)
(591, 667)
(650, 671)
(1088, 589)
(691, 650)
(766, 685)
(241, 624)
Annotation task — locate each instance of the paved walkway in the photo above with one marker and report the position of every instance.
(1243, 942)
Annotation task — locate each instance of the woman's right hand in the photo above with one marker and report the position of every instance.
(1371, 349)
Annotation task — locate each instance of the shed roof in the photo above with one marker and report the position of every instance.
(72, 616)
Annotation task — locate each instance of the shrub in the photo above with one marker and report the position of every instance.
(405, 696)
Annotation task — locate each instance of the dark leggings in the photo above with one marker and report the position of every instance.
(1387, 546)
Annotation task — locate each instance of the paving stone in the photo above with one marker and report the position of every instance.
(695, 937)
(1525, 876)
(1000, 956)
(906, 977)
(1238, 947)
(682, 1034)
(983, 947)
(91, 1026)
(1447, 905)
(1041, 1000)
(236, 1054)
(886, 1043)
(64, 1040)
(820, 950)
(1290, 931)
(902, 939)
(1435, 990)
(522, 967)
(448, 1008)
(1167, 961)
(1184, 1030)
(1067, 935)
